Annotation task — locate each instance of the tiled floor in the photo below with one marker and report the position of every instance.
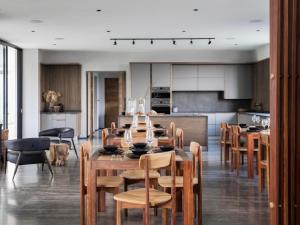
(36, 199)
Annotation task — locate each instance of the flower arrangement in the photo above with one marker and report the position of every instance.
(51, 97)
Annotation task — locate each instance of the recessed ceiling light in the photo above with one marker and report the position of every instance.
(59, 39)
(196, 10)
(108, 31)
(256, 21)
(98, 10)
(33, 31)
(36, 21)
(236, 44)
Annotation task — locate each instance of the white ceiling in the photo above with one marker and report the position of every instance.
(85, 29)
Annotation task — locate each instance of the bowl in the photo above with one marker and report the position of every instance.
(158, 133)
(243, 125)
(157, 125)
(141, 130)
(166, 148)
(110, 148)
(140, 145)
(139, 151)
(127, 125)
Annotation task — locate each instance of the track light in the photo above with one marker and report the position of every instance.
(209, 41)
(191, 41)
(133, 42)
(115, 42)
(151, 42)
(174, 42)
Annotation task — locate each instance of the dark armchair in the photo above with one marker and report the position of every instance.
(60, 133)
(28, 151)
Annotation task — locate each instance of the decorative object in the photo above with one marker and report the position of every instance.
(51, 97)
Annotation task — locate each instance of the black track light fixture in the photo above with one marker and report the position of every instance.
(209, 41)
(174, 42)
(191, 41)
(115, 42)
(151, 41)
(133, 42)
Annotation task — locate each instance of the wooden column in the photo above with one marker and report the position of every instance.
(285, 112)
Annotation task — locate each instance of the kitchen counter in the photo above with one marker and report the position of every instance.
(256, 113)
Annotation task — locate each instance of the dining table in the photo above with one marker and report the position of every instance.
(99, 161)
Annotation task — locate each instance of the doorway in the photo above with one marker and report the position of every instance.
(105, 99)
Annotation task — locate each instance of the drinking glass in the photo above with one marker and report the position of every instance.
(257, 120)
(149, 136)
(135, 121)
(128, 137)
(254, 119)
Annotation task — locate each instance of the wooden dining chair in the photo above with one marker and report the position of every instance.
(264, 162)
(225, 141)
(166, 181)
(146, 198)
(3, 149)
(113, 125)
(238, 150)
(104, 136)
(179, 138)
(110, 184)
(172, 129)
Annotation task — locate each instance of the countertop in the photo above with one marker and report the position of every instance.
(67, 111)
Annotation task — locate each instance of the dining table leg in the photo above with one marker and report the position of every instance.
(92, 196)
(188, 212)
(250, 147)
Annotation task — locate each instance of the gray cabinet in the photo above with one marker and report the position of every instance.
(185, 78)
(161, 75)
(238, 82)
(140, 82)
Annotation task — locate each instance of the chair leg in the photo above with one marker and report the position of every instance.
(101, 201)
(125, 189)
(48, 163)
(173, 215)
(118, 213)
(164, 215)
(237, 163)
(43, 166)
(82, 208)
(221, 152)
(74, 147)
(5, 160)
(17, 164)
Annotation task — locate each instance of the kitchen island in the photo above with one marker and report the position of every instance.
(194, 126)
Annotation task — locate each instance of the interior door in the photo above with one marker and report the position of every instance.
(111, 100)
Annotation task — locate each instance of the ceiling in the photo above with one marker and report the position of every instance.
(236, 24)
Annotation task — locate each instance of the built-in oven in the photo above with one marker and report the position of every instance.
(160, 99)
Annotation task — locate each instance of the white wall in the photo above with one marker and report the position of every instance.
(262, 53)
(31, 93)
(119, 61)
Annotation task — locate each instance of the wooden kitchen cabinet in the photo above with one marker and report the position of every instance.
(161, 74)
(140, 82)
(238, 82)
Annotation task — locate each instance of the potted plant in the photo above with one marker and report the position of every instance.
(51, 98)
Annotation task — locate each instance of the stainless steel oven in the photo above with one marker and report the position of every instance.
(160, 99)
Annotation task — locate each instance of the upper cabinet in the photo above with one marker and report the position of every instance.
(140, 82)
(185, 78)
(198, 78)
(238, 82)
(161, 75)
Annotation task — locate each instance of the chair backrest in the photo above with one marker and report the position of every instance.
(173, 129)
(223, 132)
(264, 140)
(228, 134)
(236, 130)
(196, 150)
(85, 152)
(113, 125)
(157, 161)
(104, 136)
(28, 144)
(179, 138)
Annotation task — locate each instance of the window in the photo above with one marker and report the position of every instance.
(10, 91)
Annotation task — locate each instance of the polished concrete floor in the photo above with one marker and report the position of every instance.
(34, 198)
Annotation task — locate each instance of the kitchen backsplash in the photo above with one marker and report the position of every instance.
(207, 101)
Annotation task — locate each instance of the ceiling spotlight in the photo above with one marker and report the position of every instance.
(133, 42)
(196, 10)
(191, 41)
(151, 42)
(174, 42)
(36, 21)
(258, 30)
(98, 10)
(33, 31)
(183, 31)
(108, 31)
(115, 42)
(54, 44)
(209, 41)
